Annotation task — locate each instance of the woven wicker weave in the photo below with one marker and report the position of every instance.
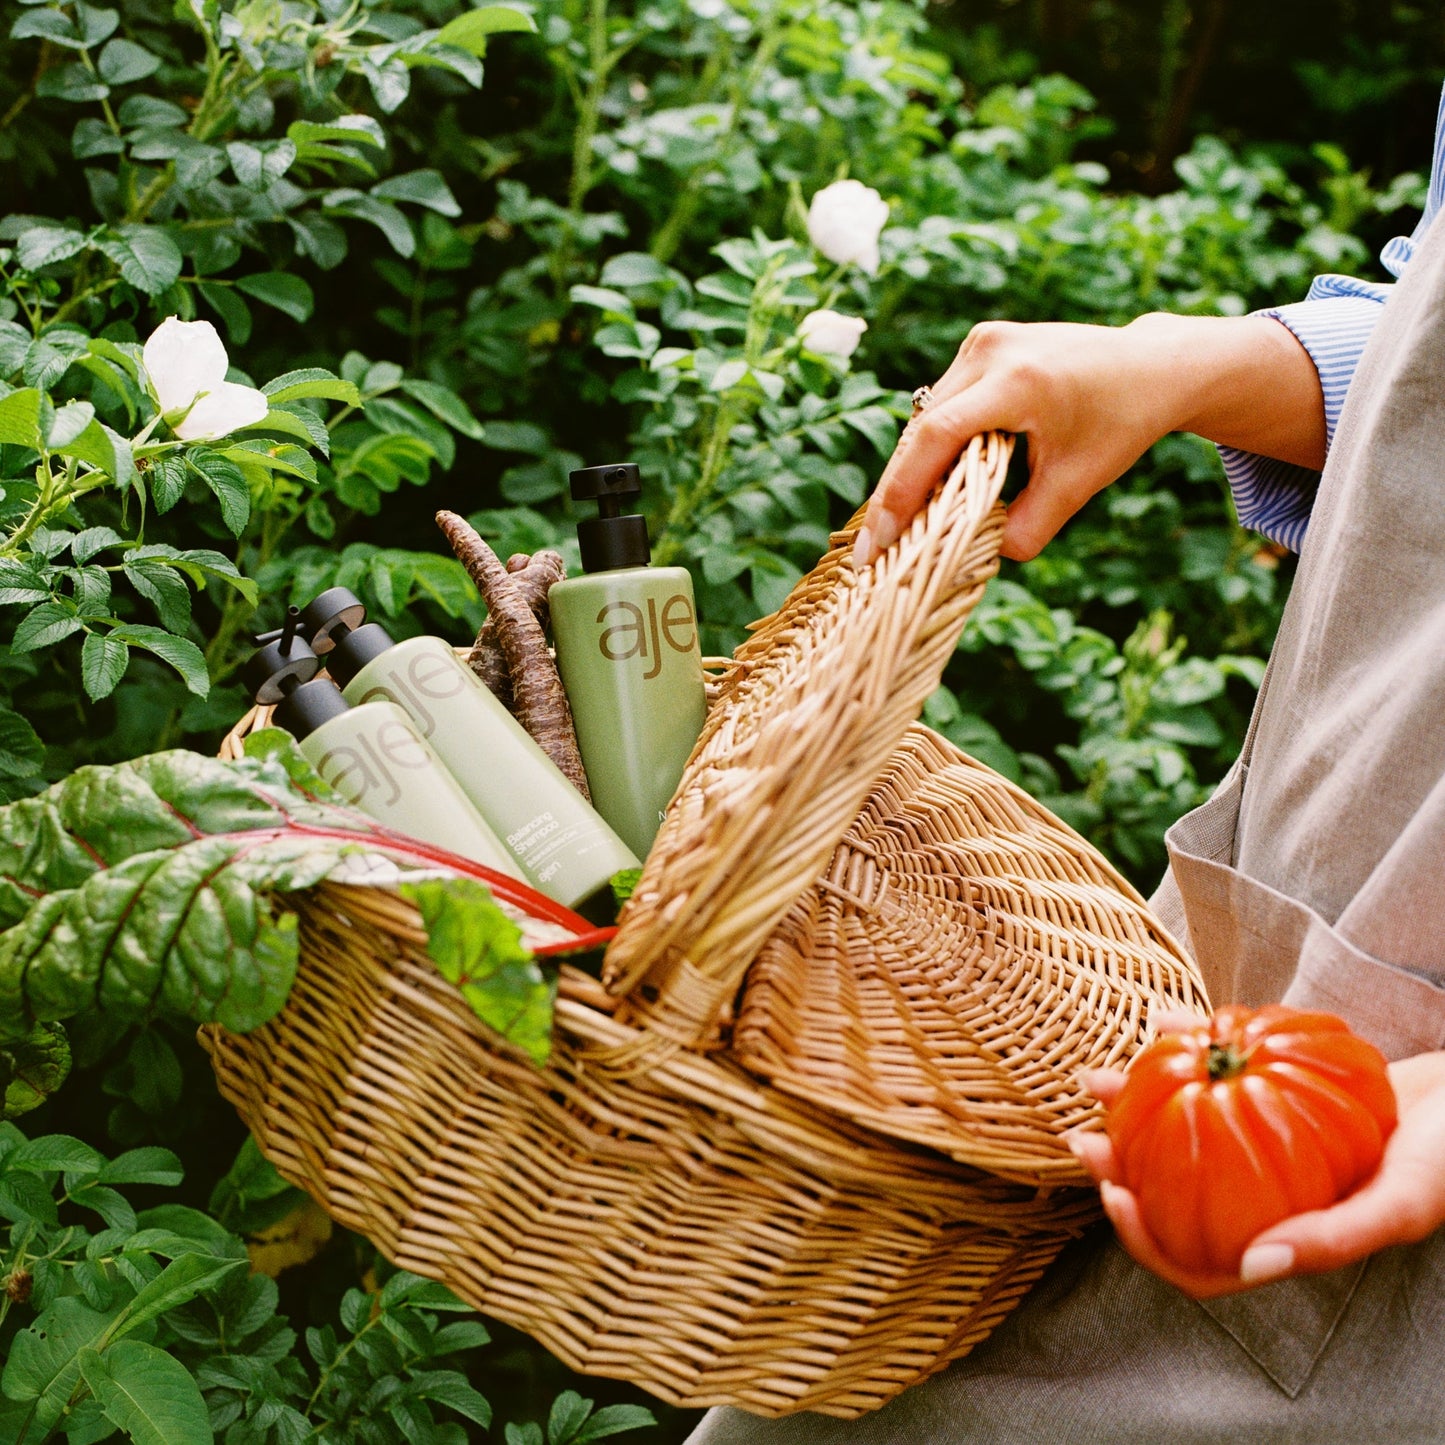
(804, 1148)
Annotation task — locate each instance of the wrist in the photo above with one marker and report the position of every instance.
(1239, 381)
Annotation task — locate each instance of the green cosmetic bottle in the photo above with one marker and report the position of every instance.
(627, 650)
(372, 755)
(560, 844)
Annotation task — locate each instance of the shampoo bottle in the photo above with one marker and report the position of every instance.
(627, 650)
(558, 841)
(371, 755)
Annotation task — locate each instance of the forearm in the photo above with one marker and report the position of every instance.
(1243, 382)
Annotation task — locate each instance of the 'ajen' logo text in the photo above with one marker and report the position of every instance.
(632, 634)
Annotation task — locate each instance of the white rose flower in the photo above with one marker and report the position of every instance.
(830, 333)
(845, 221)
(186, 363)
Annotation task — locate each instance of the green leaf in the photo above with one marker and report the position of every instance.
(103, 662)
(55, 1153)
(568, 1412)
(450, 1388)
(14, 343)
(361, 129)
(258, 166)
(297, 422)
(49, 25)
(21, 583)
(311, 381)
(150, 1165)
(50, 354)
(168, 481)
(67, 423)
(282, 290)
(45, 245)
(33, 1068)
(180, 652)
(20, 418)
(446, 405)
(382, 214)
(420, 188)
(146, 255)
(477, 947)
(48, 624)
(469, 31)
(73, 83)
(624, 884)
(43, 1364)
(633, 268)
(159, 583)
(178, 1283)
(148, 1394)
(225, 479)
(85, 545)
(21, 751)
(613, 1420)
(122, 61)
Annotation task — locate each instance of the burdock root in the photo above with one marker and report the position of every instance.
(539, 703)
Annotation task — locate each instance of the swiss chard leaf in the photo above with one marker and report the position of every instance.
(154, 887)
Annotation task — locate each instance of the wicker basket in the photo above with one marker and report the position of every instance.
(803, 1146)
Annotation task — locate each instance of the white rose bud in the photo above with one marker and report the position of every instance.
(186, 363)
(830, 333)
(845, 221)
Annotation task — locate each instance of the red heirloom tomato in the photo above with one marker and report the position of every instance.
(1255, 1115)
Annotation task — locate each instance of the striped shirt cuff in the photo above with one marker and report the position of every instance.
(1333, 325)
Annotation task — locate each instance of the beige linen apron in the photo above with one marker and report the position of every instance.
(1315, 874)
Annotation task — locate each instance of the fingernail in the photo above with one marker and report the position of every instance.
(1266, 1261)
(1089, 1077)
(886, 529)
(1109, 1193)
(864, 550)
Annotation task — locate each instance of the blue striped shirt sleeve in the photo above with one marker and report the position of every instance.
(1332, 323)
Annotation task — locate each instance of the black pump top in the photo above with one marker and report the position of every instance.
(353, 651)
(328, 617)
(283, 671)
(305, 708)
(614, 538)
(284, 662)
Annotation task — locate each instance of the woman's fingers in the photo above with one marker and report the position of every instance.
(1122, 1207)
(928, 447)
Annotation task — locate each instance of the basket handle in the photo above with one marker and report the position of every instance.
(816, 702)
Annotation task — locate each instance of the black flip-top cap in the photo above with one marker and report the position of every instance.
(612, 539)
(304, 709)
(279, 667)
(356, 649)
(330, 616)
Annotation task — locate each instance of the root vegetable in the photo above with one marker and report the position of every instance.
(540, 703)
(533, 575)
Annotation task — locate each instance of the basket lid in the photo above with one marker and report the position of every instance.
(963, 958)
(816, 701)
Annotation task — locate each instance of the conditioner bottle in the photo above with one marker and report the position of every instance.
(373, 756)
(555, 838)
(627, 650)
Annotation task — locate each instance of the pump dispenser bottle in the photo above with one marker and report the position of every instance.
(373, 756)
(560, 844)
(627, 650)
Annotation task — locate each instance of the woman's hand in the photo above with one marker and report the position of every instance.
(1404, 1202)
(1092, 400)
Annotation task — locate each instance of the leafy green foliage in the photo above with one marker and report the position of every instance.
(149, 1321)
(152, 887)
